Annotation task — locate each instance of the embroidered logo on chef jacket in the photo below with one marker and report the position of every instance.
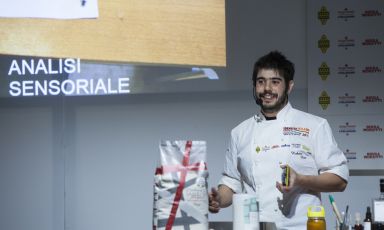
(301, 150)
(303, 154)
(266, 148)
(296, 146)
(301, 146)
(296, 131)
(306, 148)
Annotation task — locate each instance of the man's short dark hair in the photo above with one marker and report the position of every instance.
(275, 61)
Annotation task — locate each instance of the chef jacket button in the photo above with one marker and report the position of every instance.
(275, 210)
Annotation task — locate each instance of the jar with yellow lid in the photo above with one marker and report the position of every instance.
(316, 218)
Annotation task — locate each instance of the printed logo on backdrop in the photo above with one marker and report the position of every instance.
(373, 156)
(372, 99)
(371, 69)
(324, 100)
(371, 42)
(347, 99)
(323, 44)
(323, 15)
(347, 128)
(350, 155)
(324, 71)
(371, 13)
(372, 128)
(346, 70)
(346, 42)
(345, 14)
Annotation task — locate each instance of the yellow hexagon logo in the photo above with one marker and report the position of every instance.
(324, 100)
(324, 71)
(323, 43)
(323, 15)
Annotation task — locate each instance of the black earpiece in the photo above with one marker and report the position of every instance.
(257, 100)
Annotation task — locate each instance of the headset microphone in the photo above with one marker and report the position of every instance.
(257, 100)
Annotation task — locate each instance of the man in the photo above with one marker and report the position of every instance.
(280, 136)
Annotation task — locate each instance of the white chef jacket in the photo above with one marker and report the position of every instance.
(258, 147)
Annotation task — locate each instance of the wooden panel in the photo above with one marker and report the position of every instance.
(136, 31)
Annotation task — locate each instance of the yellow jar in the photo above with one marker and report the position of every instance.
(316, 218)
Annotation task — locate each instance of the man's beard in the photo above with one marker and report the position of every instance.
(277, 106)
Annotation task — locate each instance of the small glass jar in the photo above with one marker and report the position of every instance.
(316, 218)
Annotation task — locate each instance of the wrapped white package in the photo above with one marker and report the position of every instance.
(180, 187)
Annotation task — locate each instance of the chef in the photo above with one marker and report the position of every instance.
(277, 138)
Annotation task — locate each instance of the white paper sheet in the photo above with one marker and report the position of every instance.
(56, 9)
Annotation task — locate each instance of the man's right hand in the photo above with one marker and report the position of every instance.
(214, 204)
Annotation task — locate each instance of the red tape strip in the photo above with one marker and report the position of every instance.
(179, 191)
(179, 168)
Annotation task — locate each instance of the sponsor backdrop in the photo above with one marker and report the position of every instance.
(345, 75)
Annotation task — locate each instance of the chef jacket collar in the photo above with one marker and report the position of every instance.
(259, 117)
